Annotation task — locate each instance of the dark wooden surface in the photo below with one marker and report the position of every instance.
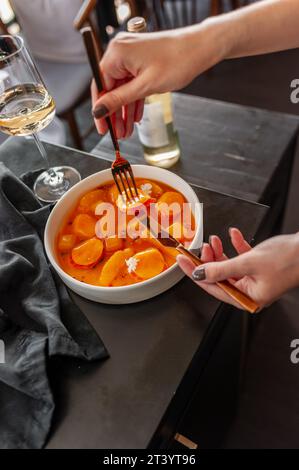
(238, 150)
(119, 403)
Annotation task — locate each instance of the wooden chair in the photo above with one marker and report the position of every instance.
(163, 14)
(84, 16)
(3, 27)
(217, 6)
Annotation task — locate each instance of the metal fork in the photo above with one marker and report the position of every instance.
(121, 169)
(122, 173)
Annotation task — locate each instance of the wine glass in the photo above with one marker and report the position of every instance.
(26, 107)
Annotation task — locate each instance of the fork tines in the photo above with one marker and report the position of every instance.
(124, 180)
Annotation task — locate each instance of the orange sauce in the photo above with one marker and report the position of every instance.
(98, 259)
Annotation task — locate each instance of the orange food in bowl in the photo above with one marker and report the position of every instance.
(88, 253)
(113, 266)
(151, 188)
(89, 201)
(113, 193)
(143, 199)
(148, 263)
(84, 226)
(113, 243)
(171, 197)
(121, 258)
(66, 242)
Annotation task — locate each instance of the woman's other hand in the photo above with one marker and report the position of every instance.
(264, 273)
(137, 65)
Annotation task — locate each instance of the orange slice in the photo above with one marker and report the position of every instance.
(143, 199)
(89, 201)
(84, 226)
(66, 242)
(88, 253)
(112, 267)
(113, 243)
(150, 188)
(149, 263)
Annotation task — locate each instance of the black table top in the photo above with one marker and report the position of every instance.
(120, 402)
(225, 147)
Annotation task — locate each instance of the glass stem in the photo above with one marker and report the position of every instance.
(43, 153)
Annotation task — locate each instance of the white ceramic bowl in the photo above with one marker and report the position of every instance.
(135, 292)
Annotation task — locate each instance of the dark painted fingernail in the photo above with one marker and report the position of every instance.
(199, 274)
(100, 111)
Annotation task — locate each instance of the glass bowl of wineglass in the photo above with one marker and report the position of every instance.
(26, 107)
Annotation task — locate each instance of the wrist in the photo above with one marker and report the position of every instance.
(295, 257)
(220, 33)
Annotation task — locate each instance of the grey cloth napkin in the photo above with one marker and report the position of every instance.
(38, 320)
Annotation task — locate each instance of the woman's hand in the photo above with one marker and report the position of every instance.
(138, 65)
(264, 273)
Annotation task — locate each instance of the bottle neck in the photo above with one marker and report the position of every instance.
(137, 25)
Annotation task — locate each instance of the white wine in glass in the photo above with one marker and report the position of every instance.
(26, 107)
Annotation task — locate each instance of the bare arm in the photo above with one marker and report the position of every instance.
(267, 26)
(138, 65)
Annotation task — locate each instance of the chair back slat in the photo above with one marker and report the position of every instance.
(185, 12)
(164, 14)
(169, 14)
(163, 20)
(173, 11)
(194, 12)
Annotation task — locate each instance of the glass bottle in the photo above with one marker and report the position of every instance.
(156, 130)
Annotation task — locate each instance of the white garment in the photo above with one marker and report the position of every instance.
(48, 28)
